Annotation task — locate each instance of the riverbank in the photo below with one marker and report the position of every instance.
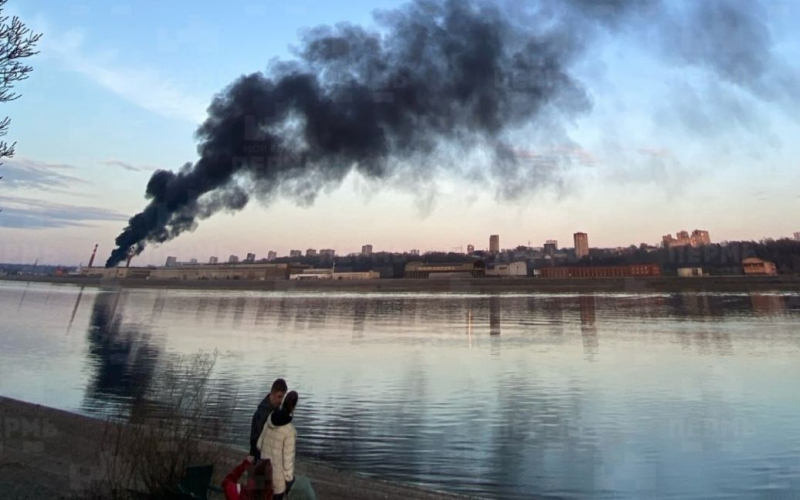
(483, 285)
(47, 453)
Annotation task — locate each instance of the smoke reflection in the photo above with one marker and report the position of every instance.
(121, 356)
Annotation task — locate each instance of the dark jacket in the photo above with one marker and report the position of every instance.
(257, 425)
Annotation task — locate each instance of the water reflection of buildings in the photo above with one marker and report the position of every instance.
(588, 326)
(767, 304)
(494, 315)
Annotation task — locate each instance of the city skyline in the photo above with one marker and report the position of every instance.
(625, 172)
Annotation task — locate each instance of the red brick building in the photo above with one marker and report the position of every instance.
(633, 271)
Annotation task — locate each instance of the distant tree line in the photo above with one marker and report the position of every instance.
(719, 258)
(716, 259)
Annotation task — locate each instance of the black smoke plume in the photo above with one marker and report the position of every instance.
(436, 75)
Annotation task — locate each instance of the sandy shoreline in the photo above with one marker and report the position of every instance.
(484, 285)
(50, 453)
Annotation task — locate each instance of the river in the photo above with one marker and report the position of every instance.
(574, 396)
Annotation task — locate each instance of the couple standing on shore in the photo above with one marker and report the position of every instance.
(272, 446)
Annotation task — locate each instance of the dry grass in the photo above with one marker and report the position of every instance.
(179, 423)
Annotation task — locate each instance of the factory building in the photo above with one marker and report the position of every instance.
(420, 270)
(244, 271)
(633, 271)
(329, 274)
(115, 272)
(513, 270)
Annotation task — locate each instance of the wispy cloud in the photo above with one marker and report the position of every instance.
(24, 173)
(128, 166)
(145, 87)
(31, 213)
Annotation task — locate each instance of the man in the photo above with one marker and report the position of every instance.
(270, 403)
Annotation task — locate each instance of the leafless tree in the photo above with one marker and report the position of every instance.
(17, 42)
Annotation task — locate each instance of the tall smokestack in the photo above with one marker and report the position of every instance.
(94, 252)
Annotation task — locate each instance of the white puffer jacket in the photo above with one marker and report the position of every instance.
(277, 443)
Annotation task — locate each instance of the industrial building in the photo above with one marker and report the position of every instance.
(244, 271)
(690, 272)
(759, 267)
(331, 275)
(513, 270)
(581, 245)
(636, 271)
(115, 272)
(420, 270)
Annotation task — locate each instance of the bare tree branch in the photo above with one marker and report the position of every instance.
(17, 42)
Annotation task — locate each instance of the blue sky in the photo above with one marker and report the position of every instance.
(118, 91)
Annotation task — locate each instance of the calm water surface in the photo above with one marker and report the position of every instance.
(501, 396)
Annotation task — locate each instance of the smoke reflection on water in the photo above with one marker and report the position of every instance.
(571, 396)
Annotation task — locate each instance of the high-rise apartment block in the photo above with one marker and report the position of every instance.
(581, 245)
(213, 260)
(171, 262)
(295, 253)
(233, 259)
(251, 257)
(698, 238)
(550, 247)
(193, 261)
(366, 250)
(494, 243)
(272, 255)
(797, 236)
(470, 249)
(328, 253)
(311, 252)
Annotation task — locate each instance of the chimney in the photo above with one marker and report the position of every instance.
(94, 252)
(128, 263)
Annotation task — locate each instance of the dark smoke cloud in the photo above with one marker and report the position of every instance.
(435, 81)
(453, 72)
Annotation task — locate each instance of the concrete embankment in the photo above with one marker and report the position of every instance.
(484, 285)
(47, 453)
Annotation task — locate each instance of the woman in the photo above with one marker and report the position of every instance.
(277, 443)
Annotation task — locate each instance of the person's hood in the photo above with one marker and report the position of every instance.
(279, 418)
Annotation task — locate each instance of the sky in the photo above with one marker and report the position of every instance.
(118, 91)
